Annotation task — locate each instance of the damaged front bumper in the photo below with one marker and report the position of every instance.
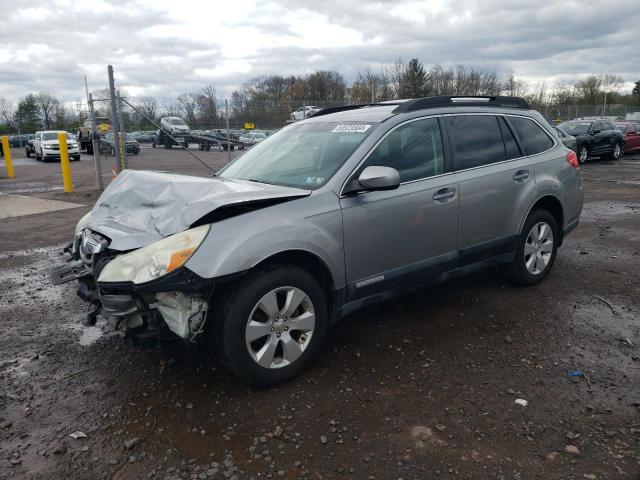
(177, 302)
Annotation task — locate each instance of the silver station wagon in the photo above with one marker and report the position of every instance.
(349, 207)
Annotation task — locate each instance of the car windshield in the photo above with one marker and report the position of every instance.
(53, 136)
(177, 121)
(259, 135)
(575, 128)
(301, 155)
(621, 127)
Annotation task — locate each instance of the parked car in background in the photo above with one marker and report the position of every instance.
(567, 140)
(28, 148)
(304, 112)
(326, 216)
(144, 136)
(46, 146)
(595, 138)
(107, 144)
(251, 138)
(15, 141)
(631, 135)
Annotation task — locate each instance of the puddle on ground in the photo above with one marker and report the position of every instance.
(601, 211)
(28, 283)
(88, 335)
(29, 187)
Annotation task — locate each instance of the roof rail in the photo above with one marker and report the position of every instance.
(341, 108)
(462, 101)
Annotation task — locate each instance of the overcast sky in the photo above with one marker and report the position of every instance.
(167, 47)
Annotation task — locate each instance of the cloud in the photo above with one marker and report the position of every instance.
(164, 47)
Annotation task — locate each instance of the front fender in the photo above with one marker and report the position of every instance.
(240, 243)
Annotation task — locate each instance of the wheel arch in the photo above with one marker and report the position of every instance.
(309, 262)
(553, 205)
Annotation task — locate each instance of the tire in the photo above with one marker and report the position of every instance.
(153, 145)
(522, 271)
(241, 303)
(583, 153)
(617, 152)
(28, 154)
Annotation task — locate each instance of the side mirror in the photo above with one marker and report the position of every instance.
(375, 178)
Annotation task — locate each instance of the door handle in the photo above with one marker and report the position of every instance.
(444, 194)
(521, 175)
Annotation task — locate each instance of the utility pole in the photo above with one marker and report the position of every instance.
(114, 118)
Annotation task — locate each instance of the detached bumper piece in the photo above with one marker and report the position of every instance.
(73, 270)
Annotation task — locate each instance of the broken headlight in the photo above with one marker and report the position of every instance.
(155, 260)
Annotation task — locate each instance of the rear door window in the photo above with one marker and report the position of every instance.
(477, 140)
(532, 137)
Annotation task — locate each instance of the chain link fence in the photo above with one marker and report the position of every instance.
(194, 135)
(197, 134)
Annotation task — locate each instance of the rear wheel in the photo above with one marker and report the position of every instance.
(271, 326)
(583, 153)
(617, 152)
(536, 249)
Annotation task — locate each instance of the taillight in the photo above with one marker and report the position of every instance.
(572, 158)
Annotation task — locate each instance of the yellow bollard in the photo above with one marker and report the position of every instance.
(7, 156)
(64, 162)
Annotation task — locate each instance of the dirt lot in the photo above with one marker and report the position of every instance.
(422, 387)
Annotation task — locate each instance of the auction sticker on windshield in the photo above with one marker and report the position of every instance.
(351, 128)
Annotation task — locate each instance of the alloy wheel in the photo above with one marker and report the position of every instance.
(538, 248)
(584, 154)
(280, 327)
(617, 151)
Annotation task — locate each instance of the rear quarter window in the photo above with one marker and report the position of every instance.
(532, 137)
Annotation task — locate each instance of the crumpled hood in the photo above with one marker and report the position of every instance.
(141, 207)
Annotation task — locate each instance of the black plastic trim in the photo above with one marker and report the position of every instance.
(462, 101)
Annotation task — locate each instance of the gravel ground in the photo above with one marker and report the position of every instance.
(418, 388)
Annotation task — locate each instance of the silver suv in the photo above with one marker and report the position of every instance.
(352, 206)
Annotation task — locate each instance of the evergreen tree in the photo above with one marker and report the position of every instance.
(415, 80)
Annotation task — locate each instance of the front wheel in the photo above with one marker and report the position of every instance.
(271, 326)
(536, 249)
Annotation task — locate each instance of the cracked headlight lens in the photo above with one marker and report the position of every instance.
(155, 260)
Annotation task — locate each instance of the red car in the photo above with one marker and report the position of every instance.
(631, 132)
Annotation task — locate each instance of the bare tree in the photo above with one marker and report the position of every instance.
(7, 112)
(189, 104)
(609, 83)
(514, 86)
(207, 105)
(588, 88)
(48, 105)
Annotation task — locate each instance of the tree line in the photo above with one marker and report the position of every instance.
(269, 100)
